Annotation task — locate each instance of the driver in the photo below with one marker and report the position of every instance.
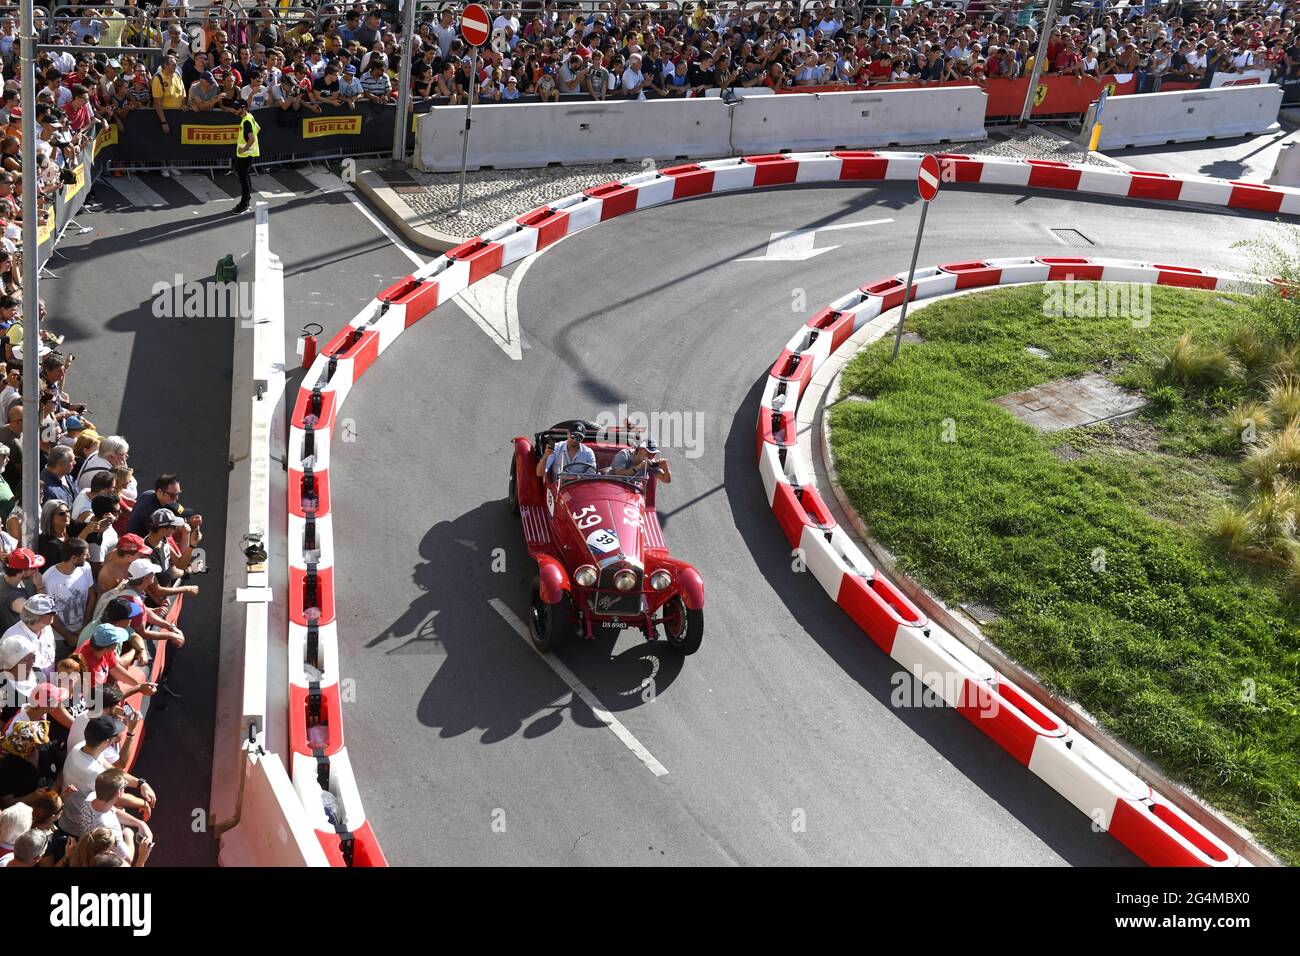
(640, 461)
(572, 452)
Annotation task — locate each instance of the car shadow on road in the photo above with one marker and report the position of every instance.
(486, 679)
(1029, 800)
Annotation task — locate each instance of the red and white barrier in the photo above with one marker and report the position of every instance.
(1156, 830)
(883, 611)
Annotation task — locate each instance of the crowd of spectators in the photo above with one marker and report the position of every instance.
(348, 55)
(84, 608)
(82, 615)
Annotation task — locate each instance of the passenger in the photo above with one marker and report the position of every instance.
(640, 461)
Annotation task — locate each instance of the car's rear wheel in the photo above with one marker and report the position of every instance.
(683, 626)
(548, 623)
(512, 495)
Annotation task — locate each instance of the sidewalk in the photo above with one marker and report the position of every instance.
(421, 205)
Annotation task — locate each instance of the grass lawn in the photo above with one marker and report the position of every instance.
(1092, 543)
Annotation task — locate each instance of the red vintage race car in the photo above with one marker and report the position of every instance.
(601, 558)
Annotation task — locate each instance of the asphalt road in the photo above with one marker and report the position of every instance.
(779, 736)
(164, 383)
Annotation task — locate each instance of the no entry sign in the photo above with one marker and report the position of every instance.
(475, 24)
(927, 178)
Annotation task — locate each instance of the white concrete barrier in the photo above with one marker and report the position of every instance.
(522, 136)
(255, 810)
(858, 120)
(1152, 119)
(273, 829)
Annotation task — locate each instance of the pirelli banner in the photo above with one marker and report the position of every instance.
(286, 134)
(68, 200)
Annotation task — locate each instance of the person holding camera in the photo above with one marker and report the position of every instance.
(641, 461)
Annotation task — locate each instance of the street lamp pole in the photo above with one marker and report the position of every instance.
(404, 81)
(31, 450)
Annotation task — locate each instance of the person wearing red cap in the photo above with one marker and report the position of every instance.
(21, 581)
(113, 571)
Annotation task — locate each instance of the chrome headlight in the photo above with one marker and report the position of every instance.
(660, 580)
(586, 576)
(625, 580)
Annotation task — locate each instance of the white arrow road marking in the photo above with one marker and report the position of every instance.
(493, 304)
(580, 690)
(798, 244)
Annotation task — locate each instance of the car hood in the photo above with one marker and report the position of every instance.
(608, 517)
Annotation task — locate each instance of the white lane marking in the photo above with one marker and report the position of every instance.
(579, 689)
(797, 245)
(388, 233)
(326, 182)
(202, 188)
(135, 192)
(268, 187)
(492, 304)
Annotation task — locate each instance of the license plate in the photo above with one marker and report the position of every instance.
(612, 625)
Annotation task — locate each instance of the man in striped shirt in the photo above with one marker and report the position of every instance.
(376, 84)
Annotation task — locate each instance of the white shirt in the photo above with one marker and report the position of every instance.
(80, 770)
(631, 80)
(44, 644)
(77, 736)
(69, 593)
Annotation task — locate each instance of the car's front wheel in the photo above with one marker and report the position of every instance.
(683, 627)
(547, 623)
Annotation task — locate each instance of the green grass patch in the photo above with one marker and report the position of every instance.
(1095, 544)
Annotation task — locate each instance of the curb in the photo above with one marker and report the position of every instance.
(816, 426)
(390, 204)
(357, 345)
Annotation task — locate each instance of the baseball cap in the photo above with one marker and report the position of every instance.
(351, 68)
(106, 635)
(141, 568)
(24, 559)
(101, 728)
(131, 542)
(49, 695)
(578, 434)
(207, 75)
(120, 609)
(165, 517)
(73, 423)
(650, 445)
(40, 604)
(14, 648)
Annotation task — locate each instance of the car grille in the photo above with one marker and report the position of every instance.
(614, 603)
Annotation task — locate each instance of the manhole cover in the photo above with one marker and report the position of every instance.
(1071, 237)
(1071, 402)
(981, 613)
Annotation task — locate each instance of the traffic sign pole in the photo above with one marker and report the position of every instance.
(475, 27)
(464, 145)
(927, 187)
(911, 272)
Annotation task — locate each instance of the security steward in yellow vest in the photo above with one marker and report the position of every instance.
(246, 150)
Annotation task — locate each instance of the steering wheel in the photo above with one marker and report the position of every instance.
(578, 464)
